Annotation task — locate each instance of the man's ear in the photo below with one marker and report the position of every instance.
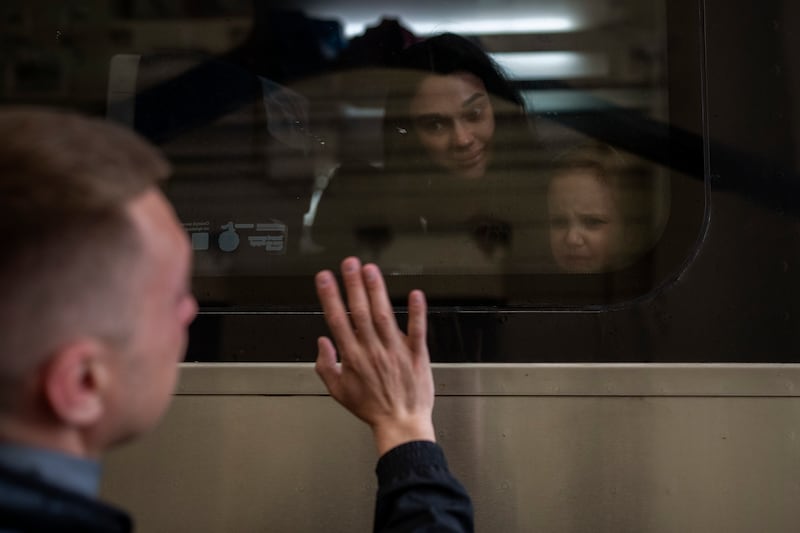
(75, 380)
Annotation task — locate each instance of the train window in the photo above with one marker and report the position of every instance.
(520, 155)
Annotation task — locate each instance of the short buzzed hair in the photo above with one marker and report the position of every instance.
(68, 242)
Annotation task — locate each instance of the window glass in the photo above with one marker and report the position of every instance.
(526, 153)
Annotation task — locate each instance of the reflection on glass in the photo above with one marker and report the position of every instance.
(305, 130)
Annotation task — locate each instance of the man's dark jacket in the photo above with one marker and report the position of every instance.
(416, 492)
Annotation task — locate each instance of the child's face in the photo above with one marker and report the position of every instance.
(585, 222)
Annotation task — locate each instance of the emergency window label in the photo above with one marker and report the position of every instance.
(270, 236)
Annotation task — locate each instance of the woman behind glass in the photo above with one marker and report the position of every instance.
(452, 111)
(460, 156)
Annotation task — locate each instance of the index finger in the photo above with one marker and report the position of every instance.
(334, 310)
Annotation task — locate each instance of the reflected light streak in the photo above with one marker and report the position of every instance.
(552, 65)
(477, 27)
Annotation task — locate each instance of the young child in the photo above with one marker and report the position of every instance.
(587, 229)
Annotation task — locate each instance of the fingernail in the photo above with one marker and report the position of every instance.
(349, 265)
(323, 279)
(369, 273)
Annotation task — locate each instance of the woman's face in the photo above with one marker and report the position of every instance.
(585, 224)
(454, 122)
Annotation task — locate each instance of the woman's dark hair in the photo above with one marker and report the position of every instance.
(446, 54)
(449, 53)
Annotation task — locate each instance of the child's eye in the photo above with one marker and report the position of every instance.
(558, 222)
(593, 222)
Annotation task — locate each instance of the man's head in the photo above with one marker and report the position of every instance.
(94, 275)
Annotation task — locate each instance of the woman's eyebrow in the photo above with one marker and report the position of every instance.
(430, 116)
(469, 101)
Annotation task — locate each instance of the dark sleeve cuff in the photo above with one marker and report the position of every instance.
(398, 461)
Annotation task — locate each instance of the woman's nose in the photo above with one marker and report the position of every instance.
(462, 135)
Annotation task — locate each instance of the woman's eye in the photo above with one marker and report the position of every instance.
(475, 114)
(431, 125)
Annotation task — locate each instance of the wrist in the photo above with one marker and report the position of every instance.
(390, 434)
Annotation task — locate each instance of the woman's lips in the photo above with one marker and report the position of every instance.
(470, 160)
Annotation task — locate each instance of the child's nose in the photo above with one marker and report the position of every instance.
(574, 236)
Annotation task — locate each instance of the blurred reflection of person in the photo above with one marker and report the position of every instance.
(458, 152)
(587, 225)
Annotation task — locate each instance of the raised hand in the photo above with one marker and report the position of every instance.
(384, 376)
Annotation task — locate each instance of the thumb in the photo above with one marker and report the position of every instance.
(326, 366)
